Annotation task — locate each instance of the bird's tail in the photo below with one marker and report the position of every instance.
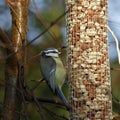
(62, 97)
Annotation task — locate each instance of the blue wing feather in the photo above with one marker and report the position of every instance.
(48, 68)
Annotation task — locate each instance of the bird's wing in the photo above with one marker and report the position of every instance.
(48, 68)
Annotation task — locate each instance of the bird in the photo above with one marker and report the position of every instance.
(53, 72)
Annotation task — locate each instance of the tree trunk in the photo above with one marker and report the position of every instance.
(88, 63)
(14, 73)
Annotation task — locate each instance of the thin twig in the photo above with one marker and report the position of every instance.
(28, 96)
(117, 43)
(54, 114)
(42, 33)
(42, 21)
(34, 57)
(115, 69)
(4, 37)
(39, 107)
(21, 81)
(38, 84)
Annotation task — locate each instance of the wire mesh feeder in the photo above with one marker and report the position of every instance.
(88, 63)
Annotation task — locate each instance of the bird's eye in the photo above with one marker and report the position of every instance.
(54, 52)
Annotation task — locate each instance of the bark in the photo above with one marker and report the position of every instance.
(14, 72)
(88, 63)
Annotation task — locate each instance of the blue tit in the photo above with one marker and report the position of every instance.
(53, 72)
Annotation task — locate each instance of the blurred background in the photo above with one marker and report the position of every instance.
(41, 14)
